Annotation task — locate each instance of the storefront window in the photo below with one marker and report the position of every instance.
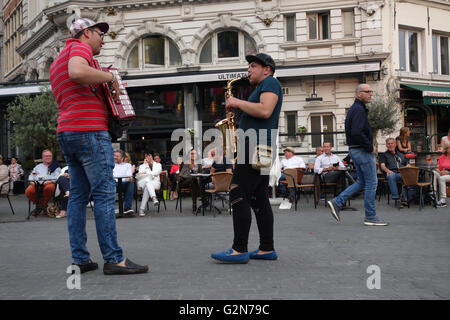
(157, 106)
(211, 106)
(415, 119)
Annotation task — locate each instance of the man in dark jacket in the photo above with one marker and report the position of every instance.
(360, 142)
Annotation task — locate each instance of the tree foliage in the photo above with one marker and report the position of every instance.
(384, 113)
(33, 122)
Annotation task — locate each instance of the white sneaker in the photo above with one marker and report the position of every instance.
(155, 202)
(441, 204)
(141, 212)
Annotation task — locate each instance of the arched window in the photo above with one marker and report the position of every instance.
(154, 51)
(226, 46)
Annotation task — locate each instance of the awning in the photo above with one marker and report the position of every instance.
(15, 90)
(279, 73)
(221, 75)
(432, 95)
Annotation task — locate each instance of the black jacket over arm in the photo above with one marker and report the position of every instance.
(357, 129)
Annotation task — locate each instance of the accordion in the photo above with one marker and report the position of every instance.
(121, 111)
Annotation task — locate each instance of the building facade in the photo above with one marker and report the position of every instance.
(176, 57)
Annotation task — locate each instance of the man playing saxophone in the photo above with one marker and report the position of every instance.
(249, 188)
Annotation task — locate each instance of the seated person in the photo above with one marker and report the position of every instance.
(124, 169)
(185, 180)
(4, 177)
(127, 158)
(445, 141)
(289, 162)
(157, 158)
(390, 162)
(148, 181)
(208, 162)
(15, 171)
(174, 171)
(40, 194)
(328, 165)
(402, 141)
(63, 191)
(442, 176)
(312, 160)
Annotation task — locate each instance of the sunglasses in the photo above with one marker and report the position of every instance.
(367, 91)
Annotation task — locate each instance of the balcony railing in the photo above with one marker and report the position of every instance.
(306, 143)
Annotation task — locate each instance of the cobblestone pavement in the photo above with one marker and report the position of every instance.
(318, 257)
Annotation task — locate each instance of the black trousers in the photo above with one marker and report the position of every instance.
(249, 190)
(64, 186)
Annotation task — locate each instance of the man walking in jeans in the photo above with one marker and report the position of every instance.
(86, 144)
(360, 141)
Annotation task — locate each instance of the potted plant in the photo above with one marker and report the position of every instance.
(302, 130)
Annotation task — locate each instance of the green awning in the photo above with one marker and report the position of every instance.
(432, 95)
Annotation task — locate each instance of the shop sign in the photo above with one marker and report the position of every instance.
(436, 101)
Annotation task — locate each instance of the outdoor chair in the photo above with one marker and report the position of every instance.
(221, 182)
(6, 195)
(294, 179)
(410, 177)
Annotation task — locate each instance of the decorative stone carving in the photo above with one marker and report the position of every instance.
(267, 14)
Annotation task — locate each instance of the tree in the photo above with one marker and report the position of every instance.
(384, 115)
(34, 122)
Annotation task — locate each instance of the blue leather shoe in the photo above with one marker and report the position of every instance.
(228, 257)
(266, 256)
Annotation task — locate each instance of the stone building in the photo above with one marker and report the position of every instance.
(176, 57)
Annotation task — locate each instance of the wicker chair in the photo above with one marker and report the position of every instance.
(410, 177)
(221, 181)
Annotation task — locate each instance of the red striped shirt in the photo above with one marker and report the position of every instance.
(80, 108)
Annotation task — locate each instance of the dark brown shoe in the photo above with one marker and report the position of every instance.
(130, 268)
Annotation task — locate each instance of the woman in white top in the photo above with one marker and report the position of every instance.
(148, 181)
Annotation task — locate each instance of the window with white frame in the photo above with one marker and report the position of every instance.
(152, 52)
(348, 23)
(321, 123)
(319, 26)
(440, 54)
(289, 26)
(408, 45)
(227, 45)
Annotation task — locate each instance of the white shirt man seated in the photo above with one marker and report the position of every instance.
(289, 162)
(124, 169)
(328, 164)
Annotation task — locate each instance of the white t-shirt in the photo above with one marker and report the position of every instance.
(292, 163)
(123, 169)
(325, 161)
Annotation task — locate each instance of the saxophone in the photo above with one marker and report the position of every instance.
(228, 126)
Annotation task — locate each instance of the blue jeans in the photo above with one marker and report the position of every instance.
(128, 191)
(89, 155)
(366, 172)
(392, 180)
